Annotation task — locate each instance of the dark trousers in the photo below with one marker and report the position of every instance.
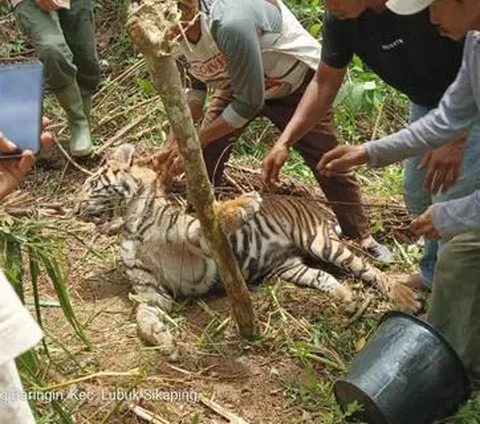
(65, 43)
(342, 190)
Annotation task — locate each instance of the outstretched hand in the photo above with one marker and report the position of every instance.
(443, 166)
(12, 171)
(341, 159)
(166, 161)
(272, 164)
(424, 225)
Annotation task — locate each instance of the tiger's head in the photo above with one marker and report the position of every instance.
(114, 186)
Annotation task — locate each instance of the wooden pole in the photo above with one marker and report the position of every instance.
(150, 31)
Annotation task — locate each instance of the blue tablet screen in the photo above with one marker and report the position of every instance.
(21, 96)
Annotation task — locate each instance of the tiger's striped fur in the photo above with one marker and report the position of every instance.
(166, 256)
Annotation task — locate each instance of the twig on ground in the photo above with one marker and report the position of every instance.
(147, 415)
(360, 311)
(220, 410)
(67, 156)
(114, 139)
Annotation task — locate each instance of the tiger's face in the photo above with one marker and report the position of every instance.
(112, 187)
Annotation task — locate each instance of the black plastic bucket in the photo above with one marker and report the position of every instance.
(407, 373)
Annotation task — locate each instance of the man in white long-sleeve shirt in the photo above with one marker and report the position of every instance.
(455, 308)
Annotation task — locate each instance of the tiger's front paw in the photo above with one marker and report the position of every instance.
(152, 330)
(235, 212)
(404, 297)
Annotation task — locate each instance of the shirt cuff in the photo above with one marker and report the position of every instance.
(232, 118)
(455, 217)
(372, 148)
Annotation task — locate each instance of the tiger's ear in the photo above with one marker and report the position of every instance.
(124, 155)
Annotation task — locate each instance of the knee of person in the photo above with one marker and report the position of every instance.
(446, 254)
(55, 54)
(459, 254)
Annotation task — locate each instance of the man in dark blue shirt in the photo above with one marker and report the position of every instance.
(409, 54)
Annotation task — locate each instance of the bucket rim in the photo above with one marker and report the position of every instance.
(440, 336)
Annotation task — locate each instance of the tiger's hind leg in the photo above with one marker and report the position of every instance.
(296, 271)
(234, 213)
(335, 252)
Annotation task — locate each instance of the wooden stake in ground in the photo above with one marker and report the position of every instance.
(150, 26)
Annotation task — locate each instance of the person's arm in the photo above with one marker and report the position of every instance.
(236, 33)
(444, 220)
(316, 101)
(322, 90)
(455, 114)
(457, 216)
(239, 42)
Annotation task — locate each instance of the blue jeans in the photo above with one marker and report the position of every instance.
(418, 200)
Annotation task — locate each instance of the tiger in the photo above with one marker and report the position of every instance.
(166, 257)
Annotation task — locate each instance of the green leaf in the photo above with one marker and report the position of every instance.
(314, 30)
(28, 363)
(356, 97)
(14, 265)
(34, 273)
(146, 86)
(342, 94)
(60, 287)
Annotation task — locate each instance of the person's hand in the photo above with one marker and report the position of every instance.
(423, 225)
(49, 5)
(341, 159)
(166, 160)
(272, 164)
(12, 171)
(443, 166)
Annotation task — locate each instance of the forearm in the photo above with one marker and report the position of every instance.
(457, 216)
(455, 114)
(196, 110)
(430, 132)
(315, 103)
(215, 130)
(196, 100)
